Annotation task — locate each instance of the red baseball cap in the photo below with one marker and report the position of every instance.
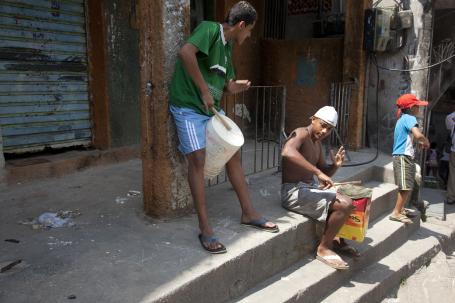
(409, 100)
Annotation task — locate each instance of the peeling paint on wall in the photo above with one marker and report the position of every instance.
(176, 15)
(240, 110)
(175, 31)
(306, 71)
(413, 55)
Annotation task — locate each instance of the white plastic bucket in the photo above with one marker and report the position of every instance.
(221, 145)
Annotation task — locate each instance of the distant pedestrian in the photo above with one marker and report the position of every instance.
(444, 161)
(450, 124)
(432, 162)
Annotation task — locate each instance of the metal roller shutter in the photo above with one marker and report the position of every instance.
(43, 75)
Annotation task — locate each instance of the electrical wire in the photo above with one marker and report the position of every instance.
(400, 4)
(375, 61)
(376, 3)
(415, 69)
(377, 121)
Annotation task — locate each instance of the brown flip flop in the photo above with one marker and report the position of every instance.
(401, 218)
(346, 250)
(408, 213)
(328, 260)
(205, 240)
(261, 224)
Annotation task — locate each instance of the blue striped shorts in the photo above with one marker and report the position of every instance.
(191, 128)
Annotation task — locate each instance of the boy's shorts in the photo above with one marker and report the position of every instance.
(191, 128)
(404, 171)
(307, 199)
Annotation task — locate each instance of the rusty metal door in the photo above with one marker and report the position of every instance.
(44, 98)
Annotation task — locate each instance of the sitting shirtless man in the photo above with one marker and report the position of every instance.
(314, 197)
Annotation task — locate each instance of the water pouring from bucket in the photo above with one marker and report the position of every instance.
(224, 139)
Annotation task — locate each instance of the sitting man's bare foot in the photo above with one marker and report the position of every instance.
(330, 258)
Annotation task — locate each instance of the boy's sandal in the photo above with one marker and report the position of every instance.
(261, 224)
(207, 240)
(401, 218)
(346, 249)
(408, 213)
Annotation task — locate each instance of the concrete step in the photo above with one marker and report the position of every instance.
(310, 280)
(255, 257)
(383, 200)
(376, 281)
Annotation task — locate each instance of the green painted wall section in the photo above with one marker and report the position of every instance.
(123, 71)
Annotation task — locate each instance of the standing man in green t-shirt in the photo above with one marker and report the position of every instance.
(202, 73)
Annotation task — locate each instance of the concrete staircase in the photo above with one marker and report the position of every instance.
(262, 267)
(309, 282)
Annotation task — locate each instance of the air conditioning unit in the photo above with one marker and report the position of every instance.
(377, 29)
(406, 18)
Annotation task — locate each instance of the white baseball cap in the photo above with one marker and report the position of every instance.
(328, 114)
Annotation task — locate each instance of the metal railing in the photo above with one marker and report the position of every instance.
(340, 98)
(259, 112)
(275, 19)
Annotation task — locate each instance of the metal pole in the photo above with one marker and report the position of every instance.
(2, 159)
(274, 127)
(268, 126)
(263, 128)
(282, 124)
(256, 127)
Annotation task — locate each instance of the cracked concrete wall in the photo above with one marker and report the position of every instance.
(164, 28)
(443, 76)
(414, 54)
(176, 19)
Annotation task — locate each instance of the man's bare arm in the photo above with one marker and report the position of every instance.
(188, 56)
(236, 86)
(292, 154)
(329, 170)
(337, 161)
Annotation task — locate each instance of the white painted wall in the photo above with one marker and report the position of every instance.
(416, 51)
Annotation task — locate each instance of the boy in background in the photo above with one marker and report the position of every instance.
(404, 167)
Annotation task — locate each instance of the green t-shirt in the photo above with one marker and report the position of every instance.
(215, 63)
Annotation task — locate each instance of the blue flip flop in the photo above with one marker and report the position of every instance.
(211, 239)
(260, 224)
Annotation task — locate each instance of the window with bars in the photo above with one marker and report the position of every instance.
(300, 7)
(201, 10)
(275, 19)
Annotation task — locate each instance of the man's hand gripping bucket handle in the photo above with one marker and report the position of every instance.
(220, 117)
